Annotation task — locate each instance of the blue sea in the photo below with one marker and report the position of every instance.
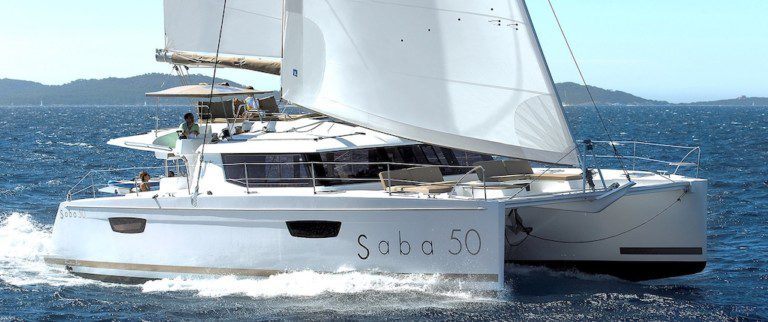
(46, 150)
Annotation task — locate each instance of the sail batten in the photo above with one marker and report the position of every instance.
(463, 74)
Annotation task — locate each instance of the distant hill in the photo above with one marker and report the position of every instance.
(130, 91)
(108, 91)
(741, 101)
(575, 94)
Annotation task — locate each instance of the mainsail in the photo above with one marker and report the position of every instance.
(251, 29)
(456, 73)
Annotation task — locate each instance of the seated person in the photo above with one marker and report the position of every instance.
(188, 129)
(251, 103)
(144, 185)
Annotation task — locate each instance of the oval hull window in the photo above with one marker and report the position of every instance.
(127, 225)
(313, 228)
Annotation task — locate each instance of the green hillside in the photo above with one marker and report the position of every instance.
(741, 101)
(108, 91)
(575, 94)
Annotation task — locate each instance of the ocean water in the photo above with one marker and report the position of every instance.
(45, 150)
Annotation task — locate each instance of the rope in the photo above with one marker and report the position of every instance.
(589, 92)
(679, 198)
(210, 101)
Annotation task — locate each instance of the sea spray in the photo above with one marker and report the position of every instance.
(305, 283)
(23, 244)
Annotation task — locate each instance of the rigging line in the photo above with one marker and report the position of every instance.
(210, 101)
(184, 79)
(589, 92)
(679, 199)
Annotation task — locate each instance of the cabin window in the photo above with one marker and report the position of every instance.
(266, 170)
(276, 170)
(339, 174)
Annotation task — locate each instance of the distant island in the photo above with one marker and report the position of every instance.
(130, 91)
(573, 94)
(108, 91)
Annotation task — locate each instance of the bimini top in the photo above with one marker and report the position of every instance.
(204, 90)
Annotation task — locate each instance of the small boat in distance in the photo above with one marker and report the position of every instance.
(438, 145)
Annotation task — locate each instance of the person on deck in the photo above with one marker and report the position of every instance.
(188, 129)
(144, 185)
(251, 103)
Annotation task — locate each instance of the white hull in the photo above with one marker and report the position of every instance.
(646, 234)
(386, 235)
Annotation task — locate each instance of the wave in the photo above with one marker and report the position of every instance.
(306, 284)
(80, 144)
(23, 243)
(516, 271)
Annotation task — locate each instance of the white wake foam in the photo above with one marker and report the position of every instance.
(305, 284)
(78, 144)
(23, 243)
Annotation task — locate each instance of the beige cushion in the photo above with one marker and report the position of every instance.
(507, 170)
(269, 105)
(395, 177)
(518, 167)
(410, 176)
(428, 189)
(510, 177)
(425, 174)
(493, 168)
(216, 109)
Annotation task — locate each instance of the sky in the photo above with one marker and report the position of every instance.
(674, 50)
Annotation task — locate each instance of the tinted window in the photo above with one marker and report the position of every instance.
(266, 170)
(341, 167)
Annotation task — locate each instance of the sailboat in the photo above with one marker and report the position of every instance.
(438, 146)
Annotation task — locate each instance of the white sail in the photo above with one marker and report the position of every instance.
(457, 73)
(251, 28)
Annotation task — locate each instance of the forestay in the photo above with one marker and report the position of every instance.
(251, 28)
(457, 73)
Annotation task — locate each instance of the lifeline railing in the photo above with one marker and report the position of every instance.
(384, 167)
(89, 184)
(313, 179)
(655, 153)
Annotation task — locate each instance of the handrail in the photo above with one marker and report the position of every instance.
(248, 181)
(75, 189)
(473, 170)
(635, 157)
(312, 178)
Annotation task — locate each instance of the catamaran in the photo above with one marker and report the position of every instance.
(437, 145)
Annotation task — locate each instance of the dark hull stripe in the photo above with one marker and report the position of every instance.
(661, 250)
(628, 270)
